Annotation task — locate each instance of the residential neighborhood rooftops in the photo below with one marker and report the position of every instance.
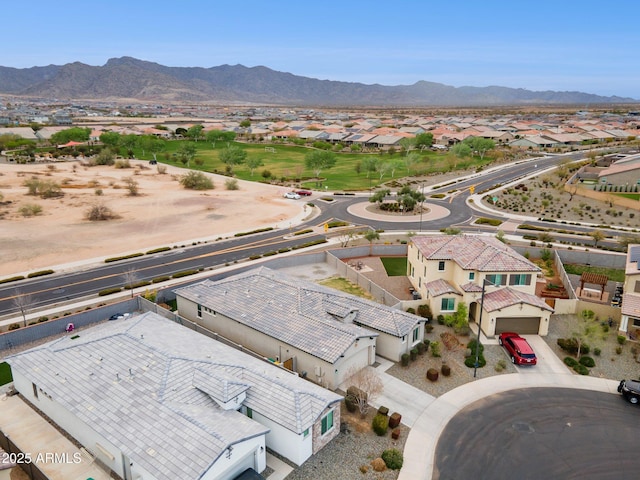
(473, 252)
(148, 384)
(320, 321)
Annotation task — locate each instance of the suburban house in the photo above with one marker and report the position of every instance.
(321, 333)
(152, 399)
(449, 269)
(630, 320)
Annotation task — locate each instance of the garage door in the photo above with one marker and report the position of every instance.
(520, 325)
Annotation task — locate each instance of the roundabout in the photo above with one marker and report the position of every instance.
(433, 212)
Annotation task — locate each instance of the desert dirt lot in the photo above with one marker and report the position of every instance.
(163, 214)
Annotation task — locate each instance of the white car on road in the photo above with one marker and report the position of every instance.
(292, 195)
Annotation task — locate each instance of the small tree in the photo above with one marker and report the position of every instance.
(196, 181)
(22, 301)
(232, 156)
(130, 279)
(253, 163)
(319, 160)
(597, 236)
(367, 381)
(370, 236)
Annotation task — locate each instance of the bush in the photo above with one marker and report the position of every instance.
(413, 354)
(30, 210)
(99, 213)
(432, 374)
(157, 250)
(12, 279)
(40, 273)
(109, 291)
(184, 273)
(382, 410)
(13, 326)
(424, 311)
(622, 339)
(231, 184)
(619, 350)
(124, 257)
(587, 361)
(258, 230)
(440, 319)
(392, 459)
(404, 359)
(471, 361)
(421, 348)
(196, 181)
(380, 424)
(426, 344)
(500, 366)
(597, 352)
(581, 369)
(435, 349)
(570, 362)
(428, 328)
(445, 370)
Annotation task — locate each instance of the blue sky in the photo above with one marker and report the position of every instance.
(587, 46)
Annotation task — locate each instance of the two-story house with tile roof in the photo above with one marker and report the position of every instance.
(321, 333)
(152, 399)
(630, 320)
(448, 269)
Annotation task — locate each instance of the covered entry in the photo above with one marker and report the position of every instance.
(521, 325)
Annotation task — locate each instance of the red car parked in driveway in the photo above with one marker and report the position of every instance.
(519, 349)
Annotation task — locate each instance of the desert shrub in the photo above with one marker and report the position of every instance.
(123, 163)
(30, 210)
(109, 291)
(99, 212)
(363, 469)
(587, 361)
(622, 339)
(131, 185)
(428, 328)
(13, 326)
(500, 366)
(231, 184)
(570, 362)
(393, 459)
(162, 169)
(161, 279)
(98, 192)
(435, 349)
(105, 157)
(380, 424)
(404, 359)
(581, 369)
(597, 352)
(196, 181)
(619, 350)
(378, 464)
(43, 319)
(40, 273)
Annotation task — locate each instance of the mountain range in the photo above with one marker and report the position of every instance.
(129, 79)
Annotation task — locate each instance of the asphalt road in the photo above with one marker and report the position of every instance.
(541, 433)
(64, 287)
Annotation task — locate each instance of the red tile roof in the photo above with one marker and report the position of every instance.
(507, 297)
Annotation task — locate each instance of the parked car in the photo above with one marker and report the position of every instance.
(304, 193)
(119, 316)
(292, 195)
(518, 348)
(630, 389)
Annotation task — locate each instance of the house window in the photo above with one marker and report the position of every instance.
(447, 304)
(35, 390)
(472, 275)
(305, 434)
(637, 287)
(497, 279)
(425, 271)
(199, 311)
(416, 332)
(419, 282)
(327, 422)
(249, 412)
(520, 279)
(441, 266)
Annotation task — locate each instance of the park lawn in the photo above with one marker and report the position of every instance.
(344, 285)
(5, 373)
(614, 274)
(632, 196)
(287, 163)
(395, 266)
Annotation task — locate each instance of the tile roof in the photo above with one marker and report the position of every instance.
(318, 320)
(440, 287)
(148, 385)
(631, 305)
(507, 297)
(474, 252)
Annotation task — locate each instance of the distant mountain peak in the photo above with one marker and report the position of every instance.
(149, 81)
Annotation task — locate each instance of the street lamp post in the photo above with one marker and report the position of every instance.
(475, 365)
(421, 202)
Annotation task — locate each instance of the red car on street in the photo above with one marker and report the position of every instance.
(518, 348)
(304, 193)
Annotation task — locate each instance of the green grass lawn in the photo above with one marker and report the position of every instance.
(616, 275)
(395, 266)
(632, 196)
(287, 162)
(5, 373)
